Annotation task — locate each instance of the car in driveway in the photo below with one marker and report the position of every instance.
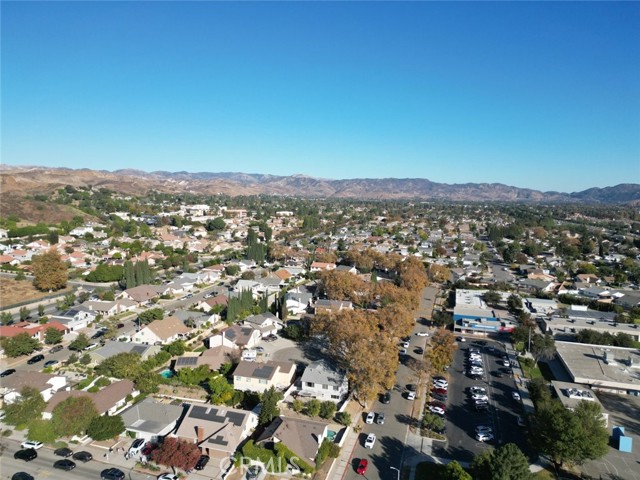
(112, 474)
(202, 462)
(8, 372)
(35, 359)
(136, 447)
(370, 418)
(64, 465)
(362, 466)
(484, 437)
(370, 441)
(32, 444)
(63, 452)
(26, 454)
(83, 456)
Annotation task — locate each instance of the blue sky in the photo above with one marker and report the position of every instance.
(533, 94)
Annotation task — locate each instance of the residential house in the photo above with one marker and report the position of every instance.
(75, 318)
(217, 430)
(35, 330)
(258, 377)
(141, 294)
(298, 302)
(320, 266)
(332, 306)
(195, 319)
(112, 348)
(324, 382)
(267, 323)
(47, 384)
(207, 276)
(162, 332)
(347, 269)
(300, 435)
(238, 335)
(208, 304)
(247, 285)
(151, 420)
(109, 308)
(214, 358)
(269, 284)
(107, 401)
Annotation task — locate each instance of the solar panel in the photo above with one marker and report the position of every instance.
(186, 361)
(264, 371)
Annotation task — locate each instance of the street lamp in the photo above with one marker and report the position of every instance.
(397, 470)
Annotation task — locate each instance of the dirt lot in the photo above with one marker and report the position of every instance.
(12, 291)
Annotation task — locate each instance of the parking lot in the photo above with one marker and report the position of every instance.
(502, 411)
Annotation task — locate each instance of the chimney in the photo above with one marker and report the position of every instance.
(200, 432)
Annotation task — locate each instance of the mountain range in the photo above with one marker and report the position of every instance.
(20, 181)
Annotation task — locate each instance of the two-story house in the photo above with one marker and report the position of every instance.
(258, 377)
(324, 382)
(162, 332)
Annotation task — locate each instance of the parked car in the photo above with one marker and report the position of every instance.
(202, 462)
(484, 429)
(120, 325)
(167, 476)
(83, 456)
(422, 334)
(515, 395)
(112, 474)
(461, 339)
(482, 406)
(56, 348)
(21, 476)
(254, 472)
(35, 359)
(136, 447)
(8, 372)
(437, 410)
(64, 465)
(440, 391)
(418, 351)
(479, 396)
(51, 363)
(386, 398)
(411, 395)
(27, 454)
(441, 398)
(380, 419)
(476, 389)
(370, 440)
(91, 346)
(370, 417)
(484, 437)
(362, 466)
(32, 444)
(63, 452)
(405, 345)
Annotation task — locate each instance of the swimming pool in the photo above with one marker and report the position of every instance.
(166, 373)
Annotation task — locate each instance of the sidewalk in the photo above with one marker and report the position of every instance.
(343, 462)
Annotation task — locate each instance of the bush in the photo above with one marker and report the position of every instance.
(327, 409)
(312, 408)
(327, 449)
(297, 405)
(343, 418)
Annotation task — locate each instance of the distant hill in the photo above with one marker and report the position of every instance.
(21, 181)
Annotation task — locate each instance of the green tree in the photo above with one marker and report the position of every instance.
(542, 346)
(105, 427)
(27, 406)
(85, 359)
(509, 463)
(21, 344)
(327, 409)
(491, 297)
(49, 271)
(221, 391)
(40, 310)
(194, 376)
(24, 314)
(41, 430)
(514, 303)
(454, 471)
(312, 408)
(215, 225)
(52, 336)
(176, 348)
(73, 415)
(150, 315)
(80, 343)
(297, 405)
(123, 365)
(343, 418)
(6, 318)
(269, 410)
(433, 422)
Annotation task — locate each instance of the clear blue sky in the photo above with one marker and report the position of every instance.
(536, 94)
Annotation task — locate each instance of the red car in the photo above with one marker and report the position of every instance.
(441, 391)
(362, 466)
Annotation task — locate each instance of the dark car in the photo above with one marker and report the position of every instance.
(36, 359)
(51, 363)
(63, 452)
(21, 476)
(8, 372)
(419, 351)
(83, 456)
(27, 454)
(202, 462)
(120, 325)
(441, 398)
(65, 465)
(386, 398)
(412, 388)
(55, 349)
(112, 474)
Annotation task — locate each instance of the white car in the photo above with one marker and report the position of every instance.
(405, 345)
(32, 444)
(370, 417)
(436, 410)
(484, 437)
(478, 390)
(370, 441)
(441, 384)
(506, 363)
(411, 395)
(168, 476)
(515, 395)
(479, 396)
(422, 334)
(461, 339)
(483, 429)
(91, 346)
(137, 446)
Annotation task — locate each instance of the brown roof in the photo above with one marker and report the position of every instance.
(103, 400)
(142, 293)
(266, 369)
(168, 327)
(300, 435)
(283, 274)
(21, 379)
